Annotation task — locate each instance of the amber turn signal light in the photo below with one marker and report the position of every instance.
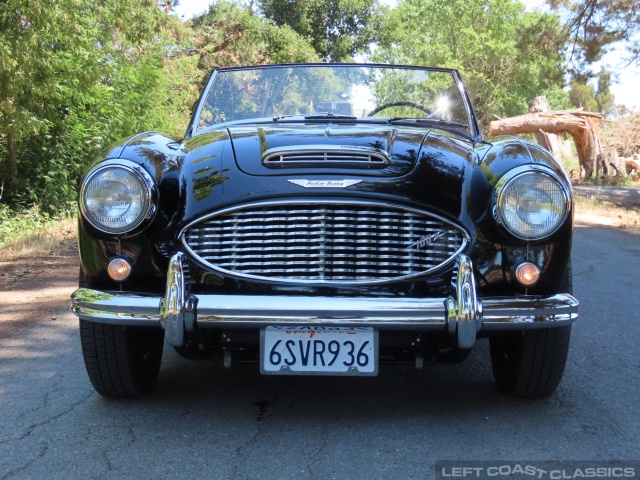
(527, 274)
(119, 269)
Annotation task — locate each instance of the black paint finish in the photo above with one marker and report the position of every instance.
(431, 169)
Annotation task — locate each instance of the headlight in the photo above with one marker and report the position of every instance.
(116, 197)
(531, 203)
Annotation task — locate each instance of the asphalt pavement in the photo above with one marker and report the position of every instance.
(206, 422)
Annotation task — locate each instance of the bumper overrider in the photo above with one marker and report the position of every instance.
(462, 315)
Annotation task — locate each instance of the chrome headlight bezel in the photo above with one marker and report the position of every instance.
(146, 182)
(507, 181)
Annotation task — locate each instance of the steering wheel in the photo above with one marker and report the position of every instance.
(399, 104)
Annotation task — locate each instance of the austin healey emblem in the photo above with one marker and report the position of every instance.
(325, 183)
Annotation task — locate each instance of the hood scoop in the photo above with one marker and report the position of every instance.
(301, 149)
(325, 156)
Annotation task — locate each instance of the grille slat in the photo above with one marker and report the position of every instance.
(319, 242)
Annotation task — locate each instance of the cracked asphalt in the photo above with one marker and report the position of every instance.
(205, 422)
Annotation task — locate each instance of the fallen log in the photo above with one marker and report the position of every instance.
(632, 165)
(582, 126)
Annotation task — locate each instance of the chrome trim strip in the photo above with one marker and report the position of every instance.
(304, 183)
(285, 310)
(528, 312)
(332, 202)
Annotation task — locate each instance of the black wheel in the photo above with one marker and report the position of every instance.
(122, 362)
(531, 364)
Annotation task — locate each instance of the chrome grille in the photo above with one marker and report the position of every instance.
(323, 242)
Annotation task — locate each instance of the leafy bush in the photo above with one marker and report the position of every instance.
(13, 225)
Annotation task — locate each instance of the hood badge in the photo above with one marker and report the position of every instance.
(325, 183)
(428, 240)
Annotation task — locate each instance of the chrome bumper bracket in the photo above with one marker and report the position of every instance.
(464, 310)
(176, 309)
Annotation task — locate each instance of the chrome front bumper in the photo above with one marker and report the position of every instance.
(462, 315)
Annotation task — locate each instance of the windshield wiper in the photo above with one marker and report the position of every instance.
(316, 116)
(428, 120)
(322, 116)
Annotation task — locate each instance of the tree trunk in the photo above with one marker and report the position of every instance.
(610, 164)
(620, 164)
(590, 144)
(547, 140)
(13, 155)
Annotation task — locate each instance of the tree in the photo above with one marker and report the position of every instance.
(605, 99)
(56, 60)
(507, 56)
(337, 29)
(595, 25)
(228, 35)
(584, 95)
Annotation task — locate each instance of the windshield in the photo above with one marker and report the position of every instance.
(278, 93)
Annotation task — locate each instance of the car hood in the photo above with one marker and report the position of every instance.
(224, 167)
(369, 150)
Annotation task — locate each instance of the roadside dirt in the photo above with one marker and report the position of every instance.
(622, 197)
(37, 288)
(613, 207)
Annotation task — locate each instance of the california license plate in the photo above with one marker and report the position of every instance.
(290, 350)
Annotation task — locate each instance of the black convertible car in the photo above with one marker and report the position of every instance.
(326, 219)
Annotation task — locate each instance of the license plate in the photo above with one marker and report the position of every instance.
(289, 350)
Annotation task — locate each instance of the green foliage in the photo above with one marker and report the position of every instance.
(584, 95)
(13, 226)
(226, 36)
(177, 91)
(77, 75)
(74, 76)
(506, 55)
(604, 97)
(337, 29)
(231, 36)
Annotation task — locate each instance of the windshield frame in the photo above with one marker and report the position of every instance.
(192, 130)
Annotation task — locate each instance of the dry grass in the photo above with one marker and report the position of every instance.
(47, 241)
(594, 213)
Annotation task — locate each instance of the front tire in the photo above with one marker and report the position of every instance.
(531, 364)
(122, 362)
